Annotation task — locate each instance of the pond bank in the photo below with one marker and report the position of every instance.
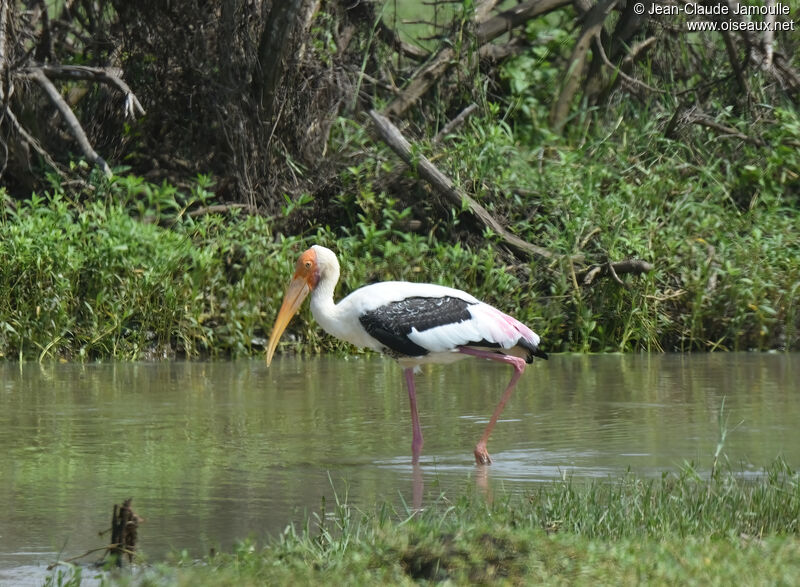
(623, 530)
(103, 280)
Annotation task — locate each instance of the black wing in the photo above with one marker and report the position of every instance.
(392, 323)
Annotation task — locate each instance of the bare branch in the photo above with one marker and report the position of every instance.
(730, 45)
(730, 48)
(622, 74)
(595, 19)
(456, 122)
(613, 273)
(697, 117)
(632, 266)
(392, 136)
(505, 21)
(389, 36)
(590, 275)
(106, 75)
(487, 31)
(31, 140)
(422, 82)
(483, 9)
(69, 117)
(636, 50)
(395, 174)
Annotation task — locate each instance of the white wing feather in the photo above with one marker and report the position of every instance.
(487, 324)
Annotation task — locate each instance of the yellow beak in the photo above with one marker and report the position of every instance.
(297, 291)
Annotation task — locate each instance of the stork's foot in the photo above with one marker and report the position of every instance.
(482, 455)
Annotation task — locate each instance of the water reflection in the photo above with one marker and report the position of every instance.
(214, 452)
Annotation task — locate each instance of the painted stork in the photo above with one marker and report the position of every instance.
(415, 323)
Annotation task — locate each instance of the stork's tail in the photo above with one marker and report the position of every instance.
(533, 350)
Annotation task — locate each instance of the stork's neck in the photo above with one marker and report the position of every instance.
(323, 308)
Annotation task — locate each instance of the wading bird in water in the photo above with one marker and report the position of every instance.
(415, 323)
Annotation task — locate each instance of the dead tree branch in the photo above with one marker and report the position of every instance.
(74, 126)
(31, 140)
(636, 50)
(422, 82)
(487, 31)
(389, 36)
(392, 136)
(614, 270)
(492, 28)
(730, 48)
(124, 531)
(483, 9)
(124, 526)
(456, 122)
(110, 76)
(702, 119)
(593, 24)
(622, 74)
(392, 176)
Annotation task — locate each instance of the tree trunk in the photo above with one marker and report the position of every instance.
(273, 48)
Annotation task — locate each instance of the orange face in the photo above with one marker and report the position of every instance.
(306, 268)
(305, 279)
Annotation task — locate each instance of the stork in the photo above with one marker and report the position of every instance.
(415, 323)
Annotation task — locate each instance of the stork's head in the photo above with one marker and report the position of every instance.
(315, 266)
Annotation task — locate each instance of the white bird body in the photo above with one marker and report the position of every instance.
(440, 341)
(415, 323)
(342, 320)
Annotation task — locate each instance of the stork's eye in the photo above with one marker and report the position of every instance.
(308, 264)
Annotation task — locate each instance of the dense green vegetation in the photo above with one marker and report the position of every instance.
(678, 167)
(679, 528)
(129, 273)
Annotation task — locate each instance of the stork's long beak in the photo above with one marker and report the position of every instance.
(297, 291)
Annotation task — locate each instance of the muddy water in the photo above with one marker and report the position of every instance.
(215, 452)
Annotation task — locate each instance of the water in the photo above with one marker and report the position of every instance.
(216, 452)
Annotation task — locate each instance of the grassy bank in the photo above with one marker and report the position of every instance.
(128, 269)
(675, 529)
(129, 273)
(106, 279)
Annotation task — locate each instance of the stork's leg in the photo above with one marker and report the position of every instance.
(416, 443)
(481, 454)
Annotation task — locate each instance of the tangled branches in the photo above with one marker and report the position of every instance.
(28, 41)
(248, 90)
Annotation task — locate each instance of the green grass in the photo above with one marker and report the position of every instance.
(715, 220)
(103, 279)
(674, 529)
(113, 278)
